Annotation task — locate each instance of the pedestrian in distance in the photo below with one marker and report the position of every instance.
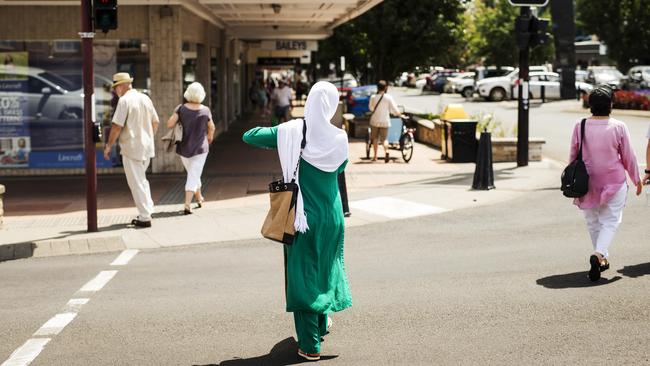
(281, 97)
(607, 154)
(135, 123)
(262, 97)
(198, 134)
(316, 280)
(381, 106)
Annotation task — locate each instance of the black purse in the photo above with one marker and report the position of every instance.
(575, 178)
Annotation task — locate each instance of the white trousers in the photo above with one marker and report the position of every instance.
(135, 171)
(194, 168)
(603, 221)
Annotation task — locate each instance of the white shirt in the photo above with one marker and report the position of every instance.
(282, 96)
(136, 114)
(381, 116)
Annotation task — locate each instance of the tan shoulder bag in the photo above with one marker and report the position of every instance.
(278, 225)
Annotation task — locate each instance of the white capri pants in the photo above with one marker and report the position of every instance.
(194, 168)
(603, 221)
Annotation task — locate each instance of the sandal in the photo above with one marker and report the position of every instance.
(309, 356)
(187, 211)
(604, 265)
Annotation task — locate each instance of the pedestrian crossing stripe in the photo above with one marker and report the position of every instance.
(395, 208)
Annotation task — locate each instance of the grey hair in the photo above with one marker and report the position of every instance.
(194, 93)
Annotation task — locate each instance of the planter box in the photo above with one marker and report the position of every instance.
(429, 132)
(504, 149)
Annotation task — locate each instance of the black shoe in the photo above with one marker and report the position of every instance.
(594, 271)
(347, 214)
(187, 211)
(604, 267)
(139, 223)
(387, 159)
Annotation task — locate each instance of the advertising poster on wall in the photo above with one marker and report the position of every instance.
(14, 131)
(41, 99)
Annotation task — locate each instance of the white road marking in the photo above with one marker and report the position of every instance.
(99, 281)
(395, 208)
(55, 325)
(24, 355)
(125, 257)
(75, 304)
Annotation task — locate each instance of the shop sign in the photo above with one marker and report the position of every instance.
(289, 45)
(278, 61)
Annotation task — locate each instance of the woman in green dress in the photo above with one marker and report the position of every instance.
(316, 282)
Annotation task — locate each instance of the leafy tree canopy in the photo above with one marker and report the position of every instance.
(624, 26)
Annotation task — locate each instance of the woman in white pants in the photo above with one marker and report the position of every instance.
(608, 154)
(198, 134)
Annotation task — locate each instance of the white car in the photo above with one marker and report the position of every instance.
(551, 83)
(463, 83)
(421, 81)
(500, 88)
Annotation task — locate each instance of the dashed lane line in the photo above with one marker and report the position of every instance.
(98, 282)
(25, 354)
(124, 258)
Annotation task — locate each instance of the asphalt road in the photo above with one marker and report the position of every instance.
(553, 121)
(497, 285)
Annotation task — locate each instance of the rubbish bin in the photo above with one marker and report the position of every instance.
(460, 145)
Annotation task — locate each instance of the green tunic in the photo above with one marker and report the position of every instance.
(315, 269)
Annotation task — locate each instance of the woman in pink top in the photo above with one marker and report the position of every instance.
(607, 155)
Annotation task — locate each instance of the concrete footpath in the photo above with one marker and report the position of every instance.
(49, 217)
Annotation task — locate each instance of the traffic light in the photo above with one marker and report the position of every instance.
(538, 32)
(531, 32)
(105, 14)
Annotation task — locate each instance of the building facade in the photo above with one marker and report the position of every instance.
(163, 44)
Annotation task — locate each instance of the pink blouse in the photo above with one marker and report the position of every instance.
(607, 153)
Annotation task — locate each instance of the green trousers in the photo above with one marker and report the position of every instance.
(309, 328)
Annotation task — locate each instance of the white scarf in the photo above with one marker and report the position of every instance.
(327, 145)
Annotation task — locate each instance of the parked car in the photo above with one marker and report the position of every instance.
(37, 92)
(581, 75)
(548, 81)
(500, 88)
(609, 75)
(359, 98)
(436, 83)
(421, 80)
(344, 85)
(462, 83)
(483, 72)
(638, 77)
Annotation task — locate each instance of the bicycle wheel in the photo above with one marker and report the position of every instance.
(406, 144)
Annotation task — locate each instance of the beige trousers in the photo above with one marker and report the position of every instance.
(135, 171)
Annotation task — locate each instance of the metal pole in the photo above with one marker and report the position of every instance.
(87, 36)
(522, 124)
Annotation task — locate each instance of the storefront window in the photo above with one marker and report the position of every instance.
(41, 98)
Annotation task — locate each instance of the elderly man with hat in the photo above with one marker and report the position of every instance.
(135, 123)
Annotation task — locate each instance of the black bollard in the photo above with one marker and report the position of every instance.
(484, 174)
(343, 189)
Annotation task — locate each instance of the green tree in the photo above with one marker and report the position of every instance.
(491, 37)
(623, 25)
(398, 35)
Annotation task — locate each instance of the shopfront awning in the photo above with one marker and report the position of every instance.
(256, 19)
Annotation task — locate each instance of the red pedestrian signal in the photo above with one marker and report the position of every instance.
(105, 14)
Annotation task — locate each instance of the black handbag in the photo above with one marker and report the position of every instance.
(575, 178)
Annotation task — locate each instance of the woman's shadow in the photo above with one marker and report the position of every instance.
(283, 353)
(573, 280)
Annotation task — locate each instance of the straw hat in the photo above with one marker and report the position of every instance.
(121, 78)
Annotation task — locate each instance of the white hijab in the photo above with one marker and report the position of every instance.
(327, 145)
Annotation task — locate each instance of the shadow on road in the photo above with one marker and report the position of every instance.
(637, 270)
(283, 353)
(573, 280)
